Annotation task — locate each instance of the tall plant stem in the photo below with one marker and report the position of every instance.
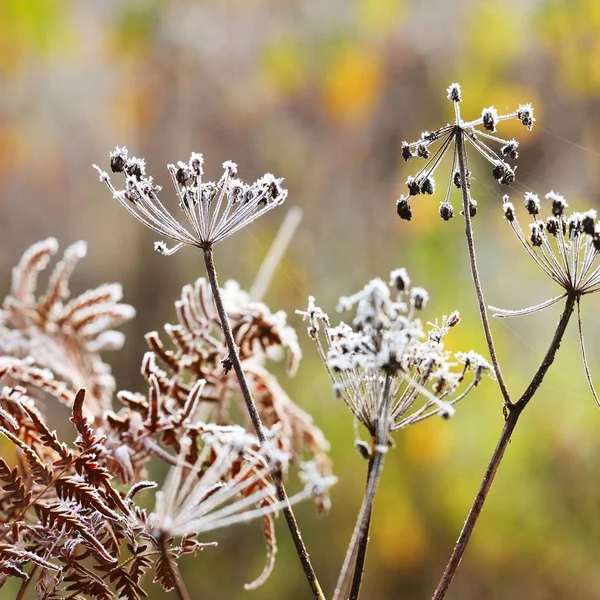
(360, 532)
(466, 196)
(359, 539)
(361, 554)
(514, 412)
(258, 426)
(178, 586)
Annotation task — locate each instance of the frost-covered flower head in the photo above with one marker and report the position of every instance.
(215, 210)
(565, 247)
(384, 365)
(478, 133)
(228, 482)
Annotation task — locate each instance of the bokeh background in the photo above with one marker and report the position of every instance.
(322, 92)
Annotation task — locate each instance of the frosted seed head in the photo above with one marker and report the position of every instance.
(525, 115)
(558, 203)
(422, 151)
(403, 209)
(118, 159)
(532, 203)
(419, 297)
(406, 153)
(489, 118)
(428, 186)
(400, 280)
(446, 211)
(454, 92)
(537, 234)
(510, 149)
(413, 186)
(508, 208)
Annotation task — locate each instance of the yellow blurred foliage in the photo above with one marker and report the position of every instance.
(570, 30)
(31, 27)
(283, 66)
(428, 443)
(379, 17)
(398, 535)
(352, 83)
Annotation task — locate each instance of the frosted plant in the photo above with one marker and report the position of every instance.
(390, 373)
(228, 483)
(60, 331)
(215, 210)
(566, 248)
(479, 134)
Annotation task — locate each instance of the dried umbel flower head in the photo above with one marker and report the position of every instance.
(565, 247)
(62, 333)
(478, 133)
(215, 210)
(228, 482)
(386, 368)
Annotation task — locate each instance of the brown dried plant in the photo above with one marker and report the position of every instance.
(69, 521)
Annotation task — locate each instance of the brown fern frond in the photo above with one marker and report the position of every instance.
(15, 491)
(55, 515)
(70, 488)
(20, 556)
(166, 566)
(41, 473)
(61, 334)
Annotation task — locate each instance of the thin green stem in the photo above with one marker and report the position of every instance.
(258, 426)
(514, 412)
(466, 196)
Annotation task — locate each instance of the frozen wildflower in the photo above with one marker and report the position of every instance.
(477, 133)
(229, 482)
(565, 247)
(215, 210)
(386, 367)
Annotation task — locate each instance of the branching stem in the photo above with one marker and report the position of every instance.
(514, 412)
(258, 426)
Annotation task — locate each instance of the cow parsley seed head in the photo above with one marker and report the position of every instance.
(532, 203)
(385, 366)
(215, 210)
(478, 134)
(564, 247)
(454, 92)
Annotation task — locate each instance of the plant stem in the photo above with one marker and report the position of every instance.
(466, 196)
(178, 586)
(258, 426)
(361, 555)
(514, 412)
(360, 534)
(360, 529)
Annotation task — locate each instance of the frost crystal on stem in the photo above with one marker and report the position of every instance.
(482, 140)
(215, 210)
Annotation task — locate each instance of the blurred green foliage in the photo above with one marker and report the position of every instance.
(323, 93)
